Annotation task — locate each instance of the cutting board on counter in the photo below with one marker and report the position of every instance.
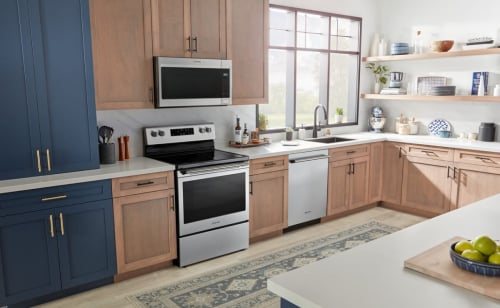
(436, 262)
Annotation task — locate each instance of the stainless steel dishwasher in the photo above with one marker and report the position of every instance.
(307, 186)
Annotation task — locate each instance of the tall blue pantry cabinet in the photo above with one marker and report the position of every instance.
(47, 118)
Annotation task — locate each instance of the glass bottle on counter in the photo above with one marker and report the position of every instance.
(237, 131)
(245, 137)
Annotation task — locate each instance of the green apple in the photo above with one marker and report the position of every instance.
(494, 258)
(473, 255)
(462, 245)
(484, 244)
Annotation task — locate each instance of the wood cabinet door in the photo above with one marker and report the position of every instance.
(426, 185)
(86, 242)
(248, 49)
(473, 183)
(171, 28)
(122, 52)
(376, 172)
(144, 230)
(29, 263)
(393, 172)
(338, 186)
(359, 182)
(208, 29)
(268, 202)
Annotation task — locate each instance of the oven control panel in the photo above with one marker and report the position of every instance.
(179, 133)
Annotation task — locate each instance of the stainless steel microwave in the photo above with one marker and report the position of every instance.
(187, 82)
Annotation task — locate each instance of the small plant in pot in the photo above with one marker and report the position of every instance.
(339, 115)
(380, 72)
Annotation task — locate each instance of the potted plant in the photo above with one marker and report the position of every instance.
(380, 72)
(339, 115)
(262, 121)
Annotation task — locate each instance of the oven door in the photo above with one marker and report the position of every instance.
(212, 197)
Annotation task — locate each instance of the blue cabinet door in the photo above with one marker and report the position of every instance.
(19, 125)
(29, 263)
(48, 118)
(65, 89)
(86, 242)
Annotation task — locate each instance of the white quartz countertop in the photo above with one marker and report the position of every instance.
(373, 274)
(133, 166)
(277, 148)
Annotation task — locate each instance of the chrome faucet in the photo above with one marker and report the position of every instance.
(315, 128)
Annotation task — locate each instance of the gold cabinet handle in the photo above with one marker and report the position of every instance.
(61, 222)
(51, 220)
(39, 163)
(54, 198)
(48, 161)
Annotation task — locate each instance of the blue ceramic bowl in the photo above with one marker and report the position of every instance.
(444, 134)
(481, 268)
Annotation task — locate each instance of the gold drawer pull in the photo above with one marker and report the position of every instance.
(61, 221)
(54, 198)
(51, 220)
(270, 164)
(145, 183)
(430, 153)
(350, 152)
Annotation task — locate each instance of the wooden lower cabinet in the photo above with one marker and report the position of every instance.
(392, 178)
(473, 183)
(348, 184)
(268, 195)
(426, 185)
(145, 228)
(376, 172)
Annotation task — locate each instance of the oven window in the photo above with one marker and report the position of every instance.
(213, 197)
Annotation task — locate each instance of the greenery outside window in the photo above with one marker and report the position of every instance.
(314, 58)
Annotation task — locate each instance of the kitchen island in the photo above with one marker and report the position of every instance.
(373, 274)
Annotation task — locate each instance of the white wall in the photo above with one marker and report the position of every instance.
(457, 20)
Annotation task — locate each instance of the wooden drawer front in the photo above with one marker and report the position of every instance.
(349, 152)
(52, 197)
(478, 158)
(268, 164)
(132, 185)
(414, 150)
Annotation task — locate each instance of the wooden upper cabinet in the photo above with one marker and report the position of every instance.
(122, 53)
(248, 49)
(190, 28)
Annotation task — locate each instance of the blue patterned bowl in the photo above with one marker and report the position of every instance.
(481, 268)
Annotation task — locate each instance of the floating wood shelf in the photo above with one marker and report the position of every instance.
(433, 98)
(435, 55)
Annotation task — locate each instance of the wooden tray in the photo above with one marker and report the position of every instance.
(248, 145)
(436, 262)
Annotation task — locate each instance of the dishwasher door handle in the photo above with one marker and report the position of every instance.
(309, 158)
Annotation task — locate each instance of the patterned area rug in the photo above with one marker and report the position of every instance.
(244, 285)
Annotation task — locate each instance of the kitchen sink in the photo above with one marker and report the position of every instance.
(330, 139)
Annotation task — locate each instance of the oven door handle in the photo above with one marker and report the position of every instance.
(211, 170)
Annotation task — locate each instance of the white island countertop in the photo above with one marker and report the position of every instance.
(373, 274)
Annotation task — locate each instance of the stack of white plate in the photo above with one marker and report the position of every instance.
(400, 49)
(442, 90)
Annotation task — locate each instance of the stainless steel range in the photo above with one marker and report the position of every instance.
(211, 190)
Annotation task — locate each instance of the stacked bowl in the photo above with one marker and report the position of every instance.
(400, 49)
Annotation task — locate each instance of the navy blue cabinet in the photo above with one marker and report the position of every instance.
(48, 118)
(57, 240)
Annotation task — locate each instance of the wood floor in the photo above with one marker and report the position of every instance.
(114, 296)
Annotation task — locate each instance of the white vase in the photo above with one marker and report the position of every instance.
(376, 88)
(374, 46)
(337, 118)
